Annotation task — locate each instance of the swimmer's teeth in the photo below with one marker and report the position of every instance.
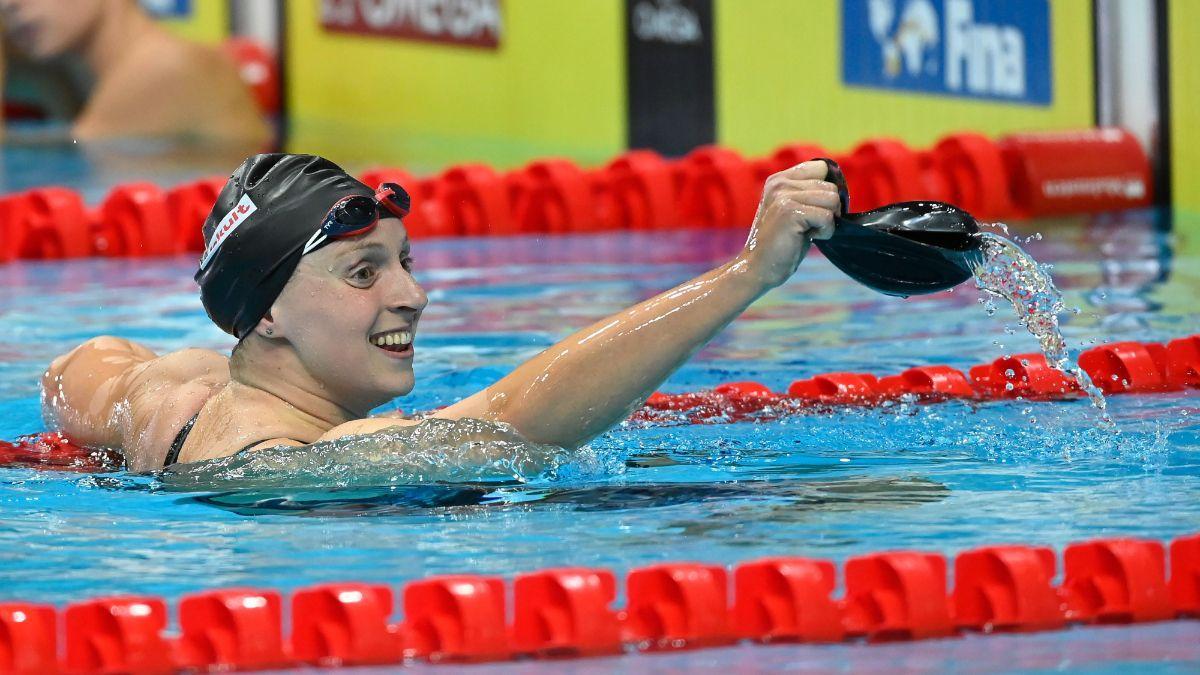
(401, 338)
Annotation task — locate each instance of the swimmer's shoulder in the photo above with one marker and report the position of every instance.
(163, 394)
(170, 86)
(181, 367)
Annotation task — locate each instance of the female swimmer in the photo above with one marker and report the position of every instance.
(311, 271)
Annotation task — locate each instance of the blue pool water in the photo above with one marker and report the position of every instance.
(940, 478)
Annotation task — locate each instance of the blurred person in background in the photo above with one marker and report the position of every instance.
(114, 73)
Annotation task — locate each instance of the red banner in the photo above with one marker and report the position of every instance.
(474, 23)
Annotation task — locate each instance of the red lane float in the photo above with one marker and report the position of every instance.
(134, 221)
(28, 639)
(934, 182)
(1183, 362)
(44, 223)
(553, 195)
(117, 635)
(565, 612)
(897, 596)
(455, 618)
(1185, 575)
(476, 202)
(716, 189)
(975, 175)
(677, 605)
(927, 383)
(635, 191)
(231, 629)
(836, 388)
(14, 224)
(1127, 366)
(889, 171)
(787, 600)
(1054, 173)
(1116, 581)
(1006, 588)
(58, 225)
(1023, 375)
(189, 205)
(344, 624)
(55, 451)
(1026, 376)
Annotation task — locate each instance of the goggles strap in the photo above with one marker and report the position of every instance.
(387, 195)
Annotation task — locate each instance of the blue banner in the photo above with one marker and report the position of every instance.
(168, 8)
(990, 49)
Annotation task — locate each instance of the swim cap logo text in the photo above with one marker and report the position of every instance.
(230, 222)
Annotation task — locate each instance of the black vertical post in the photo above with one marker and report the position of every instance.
(283, 123)
(669, 63)
(1162, 167)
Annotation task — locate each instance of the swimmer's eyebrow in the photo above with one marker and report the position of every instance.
(364, 245)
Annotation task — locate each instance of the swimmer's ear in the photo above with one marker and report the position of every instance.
(266, 327)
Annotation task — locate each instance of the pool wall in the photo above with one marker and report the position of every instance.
(1184, 57)
(559, 80)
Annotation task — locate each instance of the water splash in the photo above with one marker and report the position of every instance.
(1006, 271)
(436, 450)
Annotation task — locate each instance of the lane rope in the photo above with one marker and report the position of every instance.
(566, 612)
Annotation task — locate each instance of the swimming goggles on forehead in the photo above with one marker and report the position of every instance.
(356, 214)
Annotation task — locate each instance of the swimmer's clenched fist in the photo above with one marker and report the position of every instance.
(797, 206)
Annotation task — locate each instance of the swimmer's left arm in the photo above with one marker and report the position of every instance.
(86, 393)
(82, 389)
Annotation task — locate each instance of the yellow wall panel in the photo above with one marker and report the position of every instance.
(1184, 18)
(779, 79)
(555, 86)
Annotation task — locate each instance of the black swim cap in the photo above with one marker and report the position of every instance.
(271, 206)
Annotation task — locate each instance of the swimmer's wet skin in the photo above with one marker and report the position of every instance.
(311, 271)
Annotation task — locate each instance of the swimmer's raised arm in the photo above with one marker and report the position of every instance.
(581, 386)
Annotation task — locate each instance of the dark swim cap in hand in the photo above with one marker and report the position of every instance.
(255, 234)
(909, 248)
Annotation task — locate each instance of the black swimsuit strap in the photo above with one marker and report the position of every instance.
(180, 439)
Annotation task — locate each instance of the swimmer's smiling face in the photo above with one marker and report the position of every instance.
(45, 29)
(342, 301)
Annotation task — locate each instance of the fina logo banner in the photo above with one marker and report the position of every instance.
(168, 8)
(474, 23)
(989, 49)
